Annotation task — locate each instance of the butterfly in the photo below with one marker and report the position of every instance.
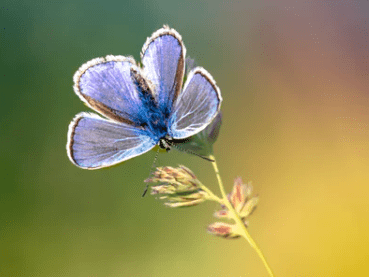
(142, 106)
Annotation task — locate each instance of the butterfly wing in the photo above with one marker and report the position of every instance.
(163, 58)
(201, 143)
(196, 106)
(94, 142)
(107, 85)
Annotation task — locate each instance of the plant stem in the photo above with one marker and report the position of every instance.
(237, 219)
(211, 195)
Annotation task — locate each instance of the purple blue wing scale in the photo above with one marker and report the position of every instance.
(106, 85)
(196, 106)
(94, 142)
(163, 58)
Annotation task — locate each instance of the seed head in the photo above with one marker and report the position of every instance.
(240, 198)
(178, 186)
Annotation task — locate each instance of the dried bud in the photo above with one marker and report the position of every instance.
(222, 214)
(249, 207)
(179, 179)
(223, 230)
(187, 200)
(179, 186)
(240, 198)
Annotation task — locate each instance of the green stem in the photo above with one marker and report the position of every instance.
(237, 219)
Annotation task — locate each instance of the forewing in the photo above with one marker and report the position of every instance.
(196, 106)
(163, 58)
(94, 142)
(106, 85)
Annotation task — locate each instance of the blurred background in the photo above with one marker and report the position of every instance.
(294, 79)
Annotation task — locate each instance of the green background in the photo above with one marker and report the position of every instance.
(294, 79)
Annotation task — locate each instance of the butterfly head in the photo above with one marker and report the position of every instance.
(165, 143)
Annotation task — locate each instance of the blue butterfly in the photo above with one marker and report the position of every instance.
(142, 106)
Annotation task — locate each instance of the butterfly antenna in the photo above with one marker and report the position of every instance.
(190, 152)
(150, 173)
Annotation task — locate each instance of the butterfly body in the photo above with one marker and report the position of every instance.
(154, 119)
(142, 107)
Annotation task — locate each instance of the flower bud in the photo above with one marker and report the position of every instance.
(240, 198)
(179, 186)
(224, 230)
